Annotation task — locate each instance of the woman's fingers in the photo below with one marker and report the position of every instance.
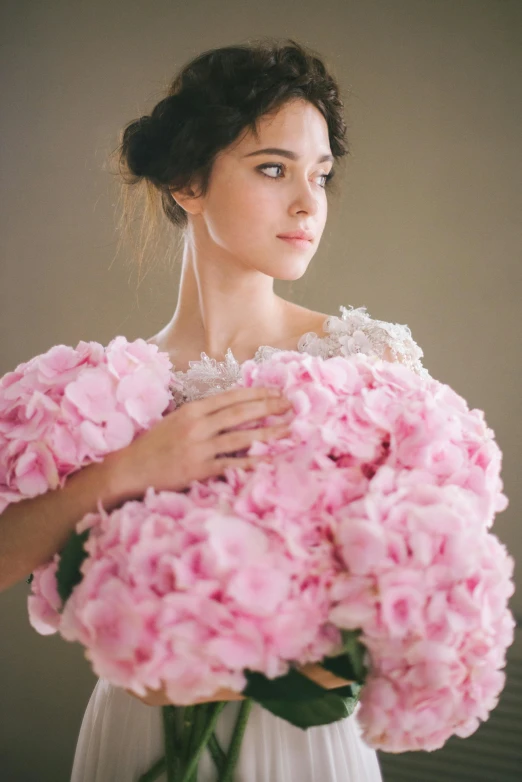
(215, 402)
(243, 438)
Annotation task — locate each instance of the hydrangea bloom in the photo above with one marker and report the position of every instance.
(373, 514)
(71, 406)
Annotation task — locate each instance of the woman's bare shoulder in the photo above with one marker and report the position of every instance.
(305, 320)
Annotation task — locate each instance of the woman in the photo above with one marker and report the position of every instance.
(239, 154)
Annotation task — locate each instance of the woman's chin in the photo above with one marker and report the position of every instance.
(289, 268)
(289, 277)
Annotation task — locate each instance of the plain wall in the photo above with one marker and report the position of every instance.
(427, 231)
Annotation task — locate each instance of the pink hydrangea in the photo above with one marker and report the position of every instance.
(71, 406)
(205, 588)
(374, 514)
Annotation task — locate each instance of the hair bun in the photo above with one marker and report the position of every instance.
(140, 147)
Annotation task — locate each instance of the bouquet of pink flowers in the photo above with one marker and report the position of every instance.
(364, 544)
(71, 406)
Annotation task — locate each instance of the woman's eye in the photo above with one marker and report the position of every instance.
(272, 165)
(325, 177)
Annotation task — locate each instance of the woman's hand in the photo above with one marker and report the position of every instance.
(160, 697)
(191, 442)
(321, 676)
(316, 673)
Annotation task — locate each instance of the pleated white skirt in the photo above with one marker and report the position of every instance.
(120, 738)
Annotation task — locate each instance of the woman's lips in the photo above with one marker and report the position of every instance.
(303, 244)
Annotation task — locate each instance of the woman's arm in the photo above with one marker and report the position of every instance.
(186, 444)
(33, 530)
(316, 673)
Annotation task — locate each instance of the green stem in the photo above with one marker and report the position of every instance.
(218, 756)
(235, 743)
(199, 721)
(155, 771)
(186, 733)
(171, 751)
(214, 713)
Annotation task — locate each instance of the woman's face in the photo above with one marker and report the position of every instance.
(253, 198)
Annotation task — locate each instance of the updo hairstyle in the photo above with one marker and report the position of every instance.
(215, 97)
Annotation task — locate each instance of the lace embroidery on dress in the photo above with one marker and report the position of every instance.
(357, 332)
(354, 332)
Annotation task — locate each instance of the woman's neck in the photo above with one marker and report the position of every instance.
(219, 308)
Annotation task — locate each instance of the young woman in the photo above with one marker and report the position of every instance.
(239, 155)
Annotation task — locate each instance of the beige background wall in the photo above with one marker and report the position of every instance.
(427, 231)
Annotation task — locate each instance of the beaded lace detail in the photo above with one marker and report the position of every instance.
(355, 331)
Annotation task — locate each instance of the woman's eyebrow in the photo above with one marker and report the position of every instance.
(285, 153)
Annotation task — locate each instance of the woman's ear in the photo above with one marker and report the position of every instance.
(188, 199)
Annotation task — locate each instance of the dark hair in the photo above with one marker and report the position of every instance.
(213, 99)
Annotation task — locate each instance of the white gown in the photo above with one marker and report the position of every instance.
(120, 737)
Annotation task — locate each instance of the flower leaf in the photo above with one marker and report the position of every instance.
(297, 699)
(68, 573)
(350, 695)
(293, 686)
(350, 663)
